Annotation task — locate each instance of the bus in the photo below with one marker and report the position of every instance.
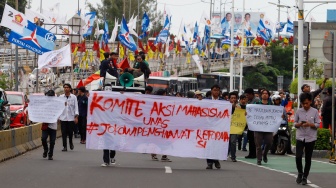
(207, 80)
(173, 84)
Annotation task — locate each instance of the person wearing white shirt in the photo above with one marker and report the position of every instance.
(69, 117)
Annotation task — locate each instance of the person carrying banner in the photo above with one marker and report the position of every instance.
(251, 99)
(215, 90)
(243, 137)
(233, 96)
(306, 122)
(49, 131)
(69, 116)
(263, 138)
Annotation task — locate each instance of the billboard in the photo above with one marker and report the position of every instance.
(331, 15)
(242, 21)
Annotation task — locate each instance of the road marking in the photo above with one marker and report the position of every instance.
(315, 160)
(168, 170)
(284, 172)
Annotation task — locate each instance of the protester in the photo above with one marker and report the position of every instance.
(263, 138)
(233, 96)
(69, 116)
(190, 94)
(251, 99)
(242, 137)
(148, 90)
(305, 88)
(327, 109)
(82, 109)
(49, 130)
(306, 122)
(139, 68)
(107, 66)
(214, 96)
(198, 95)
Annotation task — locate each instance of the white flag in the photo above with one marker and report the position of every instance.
(56, 58)
(114, 31)
(13, 19)
(198, 63)
(205, 19)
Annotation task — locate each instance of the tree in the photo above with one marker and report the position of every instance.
(282, 59)
(110, 9)
(312, 69)
(262, 75)
(294, 85)
(22, 5)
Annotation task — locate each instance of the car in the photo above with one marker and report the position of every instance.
(18, 108)
(46, 77)
(4, 111)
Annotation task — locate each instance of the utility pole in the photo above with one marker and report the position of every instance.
(231, 50)
(300, 47)
(16, 72)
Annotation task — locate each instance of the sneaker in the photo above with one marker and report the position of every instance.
(165, 159)
(217, 165)
(154, 158)
(304, 181)
(299, 178)
(50, 158)
(259, 163)
(234, 160)
(265, 159)
(45, 154)
(105, 165)
(209, 166)
(113, 161)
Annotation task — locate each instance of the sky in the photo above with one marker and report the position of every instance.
(191, 10)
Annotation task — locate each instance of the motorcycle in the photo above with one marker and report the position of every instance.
(281, 139)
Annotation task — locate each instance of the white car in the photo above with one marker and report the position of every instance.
(46, 77)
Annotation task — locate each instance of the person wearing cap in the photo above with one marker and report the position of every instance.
(305, 88)
(327, 108)
(82, 110)
(198, 95)
(49, 132)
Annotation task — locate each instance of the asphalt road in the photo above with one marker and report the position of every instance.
(81, 168)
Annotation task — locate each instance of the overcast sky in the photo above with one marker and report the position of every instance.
(191, 10)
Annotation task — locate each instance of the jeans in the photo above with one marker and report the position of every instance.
(82, 121)
(308, 149)
(67, 130)
(108, 154)
(52, 137)
(233, 145)
(261, 138)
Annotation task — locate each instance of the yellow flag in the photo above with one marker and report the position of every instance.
(85, 56)
(121, 52)
(102, 55)
(161, 55)
(91, 56)
(150, 54)
(203, 54)
(75, 51)
(188, 57)
(212, 44)
(131, 56)
(87, 65)
(196, 51)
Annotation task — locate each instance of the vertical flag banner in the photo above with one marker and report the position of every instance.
(290, 26)
(106, 33)
(195, 35)
(114, 31)
(144, 26)
(124, 36)
(265, 28)
(89, 21)
(164, 33)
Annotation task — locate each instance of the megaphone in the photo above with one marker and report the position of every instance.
(140, 80)
(126, 79)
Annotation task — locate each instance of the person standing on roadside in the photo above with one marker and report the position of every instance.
(306, 122)
(69, 116)
(49, 131)
(82, 109)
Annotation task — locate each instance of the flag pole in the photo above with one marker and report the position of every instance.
(16, 72)
(232, 51)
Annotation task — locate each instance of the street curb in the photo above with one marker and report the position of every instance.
(316, 153)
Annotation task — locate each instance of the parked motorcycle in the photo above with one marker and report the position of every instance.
(281, 139)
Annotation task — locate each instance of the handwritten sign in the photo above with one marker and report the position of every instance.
(238, 121)
(264, 118)
(45, 109)
(158, 124)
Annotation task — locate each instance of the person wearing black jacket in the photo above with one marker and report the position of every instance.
(107, 65)
(82, 110)
(139, 68)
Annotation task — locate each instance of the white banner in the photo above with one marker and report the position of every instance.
(158, 124)
(198, 63)
(264, 118)
(13, 19)
(45, 109)
(56, 58)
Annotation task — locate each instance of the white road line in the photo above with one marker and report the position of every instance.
(168, 170)
(315, 160)
(284, 172)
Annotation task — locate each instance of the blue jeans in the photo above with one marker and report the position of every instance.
(52, 137)
(233, 145)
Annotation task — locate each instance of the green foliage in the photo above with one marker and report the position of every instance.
(323, 140)
(312, 69)
(110, 10)
(293, 88)
(22, 5)
(4, 83)
(282, 59)
(262, 75)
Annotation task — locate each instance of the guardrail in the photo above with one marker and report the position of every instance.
(17, 141)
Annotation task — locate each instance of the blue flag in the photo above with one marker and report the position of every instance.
(106, 31)
(206, 37)
(264, 32)
(281, 27)
(124, 36)
(89, 21)
(290, 26)
(225, 26)
(144, 25)
(195, 35)
(164, 33)
(199, 44)
(33, 38)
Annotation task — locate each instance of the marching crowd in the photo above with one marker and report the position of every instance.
(307, 120)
